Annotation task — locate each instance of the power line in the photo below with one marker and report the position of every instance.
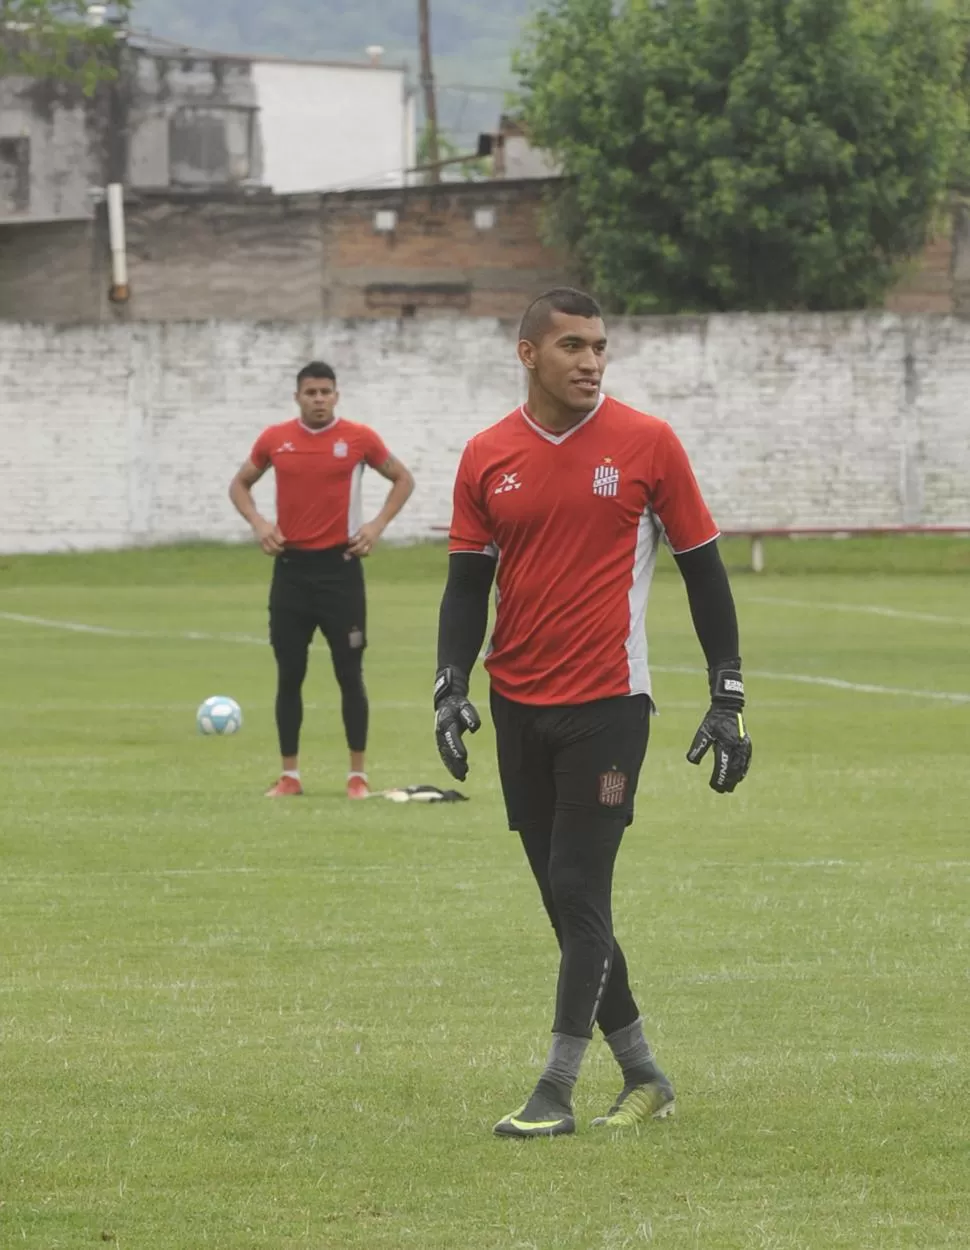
(466, 86)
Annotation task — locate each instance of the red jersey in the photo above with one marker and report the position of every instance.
(318, 477)
(575, 520)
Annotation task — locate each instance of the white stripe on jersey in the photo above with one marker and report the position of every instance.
(644, 560)
(355, 507)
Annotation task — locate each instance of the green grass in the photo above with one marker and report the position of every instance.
(236, 1024)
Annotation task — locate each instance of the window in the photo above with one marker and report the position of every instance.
(211, 146)
(14, 175)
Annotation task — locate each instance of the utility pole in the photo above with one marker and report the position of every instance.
(427, 86)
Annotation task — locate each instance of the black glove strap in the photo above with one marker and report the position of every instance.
(450, 681)
(727, 684)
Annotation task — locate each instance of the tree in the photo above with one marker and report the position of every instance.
(446, 153)
(56, 39)
(746, 154)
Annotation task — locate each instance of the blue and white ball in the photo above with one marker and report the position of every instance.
(219, 715)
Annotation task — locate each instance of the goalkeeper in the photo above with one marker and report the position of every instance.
(573, 491)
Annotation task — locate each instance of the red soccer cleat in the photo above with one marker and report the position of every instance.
(357, 787)
(286, 787)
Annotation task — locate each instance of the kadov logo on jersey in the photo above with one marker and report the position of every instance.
(509, 481)
(606, 478)
(284, 447)
(340, 449)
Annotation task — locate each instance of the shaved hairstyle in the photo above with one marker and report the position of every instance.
(564, 299)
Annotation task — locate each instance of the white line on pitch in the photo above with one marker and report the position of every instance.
(108, 631)
(46, 706)
(865, 609)
(835, 683)
(803, 679)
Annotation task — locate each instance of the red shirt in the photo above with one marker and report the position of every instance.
(318, 476)
(575, 520)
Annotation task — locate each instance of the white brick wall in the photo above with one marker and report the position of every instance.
(111, 435)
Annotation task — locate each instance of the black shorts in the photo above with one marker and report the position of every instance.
(317, 590)
(586, 757)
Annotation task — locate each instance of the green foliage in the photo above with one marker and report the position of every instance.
(51, 39)
(470, 169)
(746, 154)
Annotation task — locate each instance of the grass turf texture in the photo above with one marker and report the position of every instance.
(237, 1023)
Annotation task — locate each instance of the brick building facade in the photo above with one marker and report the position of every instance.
(939, 282)
(472, 249)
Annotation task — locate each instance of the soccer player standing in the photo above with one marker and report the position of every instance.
(569, 497)
(318, 542)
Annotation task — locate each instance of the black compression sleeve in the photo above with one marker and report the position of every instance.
(711, 603)
(463, 617)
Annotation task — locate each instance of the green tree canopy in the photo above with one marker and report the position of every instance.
(55, 39)
(746, 154)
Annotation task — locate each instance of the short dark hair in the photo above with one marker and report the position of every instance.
(315, 369)
(563, 299)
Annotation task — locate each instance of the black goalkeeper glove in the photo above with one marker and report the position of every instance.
(723, 729)
(453, 716)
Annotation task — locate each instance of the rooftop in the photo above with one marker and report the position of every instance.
(157, 45)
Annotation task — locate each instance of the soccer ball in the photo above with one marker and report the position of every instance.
(219, 715)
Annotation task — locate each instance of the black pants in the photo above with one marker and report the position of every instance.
(318, 590)
(569, 776)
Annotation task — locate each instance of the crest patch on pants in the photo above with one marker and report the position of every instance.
(612, 788)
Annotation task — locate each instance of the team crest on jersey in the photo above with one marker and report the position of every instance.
(606, 478)
(612, 788)
(340, 449)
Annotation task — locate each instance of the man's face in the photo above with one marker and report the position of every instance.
(569, 361)
(317, 398)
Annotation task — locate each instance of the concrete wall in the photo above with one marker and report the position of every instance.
(247, 254)
(260, 259)
(62, 148)
(193, 119)
(187, 120)
(437, 257)
(129, 434)
(291, 258)
(47, 271)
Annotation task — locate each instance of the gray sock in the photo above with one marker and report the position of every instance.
(632, 1052)
(565, 1058)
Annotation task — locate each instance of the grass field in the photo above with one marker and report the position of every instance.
(246, 1025)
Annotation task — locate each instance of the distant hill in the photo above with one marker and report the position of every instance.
(472, 40)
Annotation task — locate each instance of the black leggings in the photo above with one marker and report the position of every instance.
(291, 668)
(569, 775)
(310, 591)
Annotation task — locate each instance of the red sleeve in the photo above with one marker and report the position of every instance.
(375, 450)
(676, 498)
(260, 454)
(469, 524)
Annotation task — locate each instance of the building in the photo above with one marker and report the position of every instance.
(471, 248)
(465, 249)
(251, 195)
(179, 117)
(333, 126)
(513, 155)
